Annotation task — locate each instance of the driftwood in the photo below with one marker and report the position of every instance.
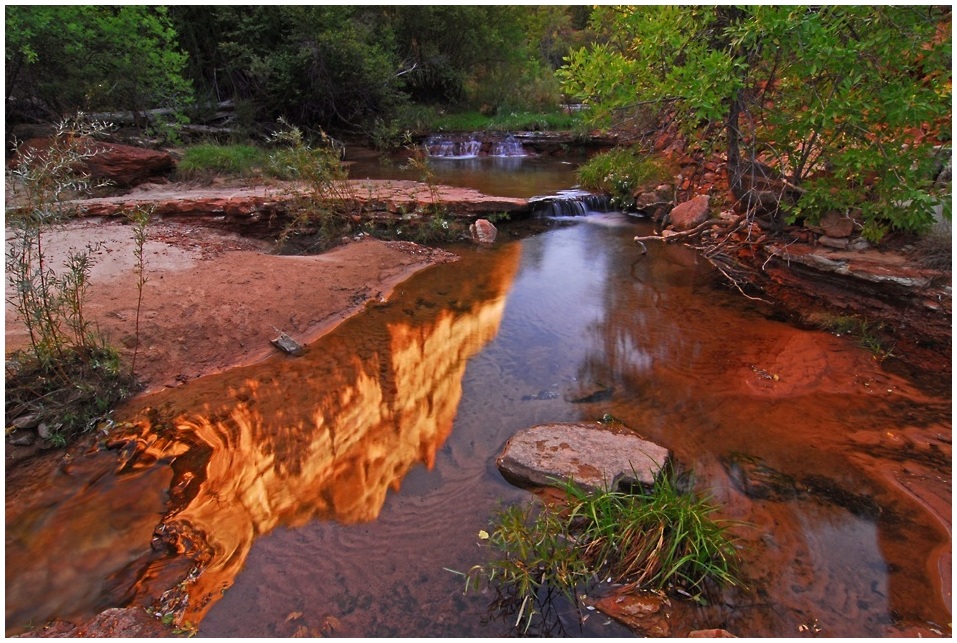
(206, 130)
(719, 253)
(150, 114)
(694, 233)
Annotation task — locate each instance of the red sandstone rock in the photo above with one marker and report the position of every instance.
(711, 634)
(689, 214)
(483, 232)
(591, 455)
(125, 165)
(121, 165)
(642, 613)
(837, 225)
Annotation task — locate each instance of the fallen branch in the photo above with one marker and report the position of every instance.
(686, 234)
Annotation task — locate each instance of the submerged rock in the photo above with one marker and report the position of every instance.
(129, 622)
(591, 455)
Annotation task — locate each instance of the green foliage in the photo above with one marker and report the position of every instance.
(69, 379)
(200, 161)
(847, 102)
(324, 65)
(505, 121)
(360, 67)
(449, 48)
(665, 540)
(622, 173)
(80, 57)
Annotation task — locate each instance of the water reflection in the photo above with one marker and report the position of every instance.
(324, 436)
(860, 547)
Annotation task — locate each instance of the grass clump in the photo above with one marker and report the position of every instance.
(69, 396)
(934, 249)
(665, 540)
(871, 337)
(622, 173)
(324, 206)
(203, 161)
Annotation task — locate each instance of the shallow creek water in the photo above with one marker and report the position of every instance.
(329, 494)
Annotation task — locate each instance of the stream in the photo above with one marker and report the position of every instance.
(330, 494)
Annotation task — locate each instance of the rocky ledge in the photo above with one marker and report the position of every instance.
(907, 306)
(261, 210)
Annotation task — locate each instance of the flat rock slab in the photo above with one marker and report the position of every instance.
(591, 455)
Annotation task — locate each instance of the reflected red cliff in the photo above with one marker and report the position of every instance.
(324, 436)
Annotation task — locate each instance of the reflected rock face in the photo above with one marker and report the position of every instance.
(323, 436)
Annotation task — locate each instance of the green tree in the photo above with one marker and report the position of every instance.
(847, 103)
(83, 58)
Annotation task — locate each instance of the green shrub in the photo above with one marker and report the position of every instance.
(622, 173)
(665, 540)
(69, 378)
(323, 203)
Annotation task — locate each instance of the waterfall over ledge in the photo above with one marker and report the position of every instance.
(470, 146)
(569, 203)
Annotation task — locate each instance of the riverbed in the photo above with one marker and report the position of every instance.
(339, 492)
(332, 492)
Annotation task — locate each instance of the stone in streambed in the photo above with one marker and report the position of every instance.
(590, 454)
(688, 215)
(483, 232)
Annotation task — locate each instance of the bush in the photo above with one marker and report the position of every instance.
(324, 203)
(69, 378)
(622, 173)
(665, 540)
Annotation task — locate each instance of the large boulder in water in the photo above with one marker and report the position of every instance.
(590, 454)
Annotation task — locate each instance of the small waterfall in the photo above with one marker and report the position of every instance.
(442, 147)
(509, 147)
(570, 203)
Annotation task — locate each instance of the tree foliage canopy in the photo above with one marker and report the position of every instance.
(330, 66)
(848, 102)
(69, 58)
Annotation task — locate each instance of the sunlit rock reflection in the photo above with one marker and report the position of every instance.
(324, 436)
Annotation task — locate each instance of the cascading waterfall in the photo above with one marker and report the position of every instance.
(443, 147)
(509, 147)
(570, 203)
